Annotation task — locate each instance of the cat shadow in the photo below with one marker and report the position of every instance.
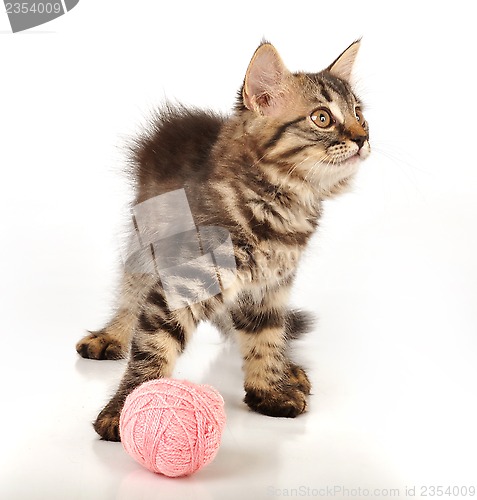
(93, 369)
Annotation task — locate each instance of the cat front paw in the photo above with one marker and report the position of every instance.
(298, 378)
(107, 425)
(288, 401)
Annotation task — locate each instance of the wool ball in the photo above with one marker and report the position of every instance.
(172, 427)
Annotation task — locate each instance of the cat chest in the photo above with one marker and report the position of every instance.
(275, 262)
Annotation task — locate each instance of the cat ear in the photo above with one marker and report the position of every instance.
(264, 86)
(343, 65)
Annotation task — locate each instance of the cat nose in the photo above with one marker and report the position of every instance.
(360, 140)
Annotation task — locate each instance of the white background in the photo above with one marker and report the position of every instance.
(391, 273)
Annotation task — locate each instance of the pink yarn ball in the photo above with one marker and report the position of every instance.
(172, 427)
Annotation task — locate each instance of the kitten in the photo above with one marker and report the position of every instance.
(259, 176)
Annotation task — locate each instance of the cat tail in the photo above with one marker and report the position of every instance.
(298, 323)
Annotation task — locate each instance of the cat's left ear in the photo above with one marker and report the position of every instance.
(343, 64)
(264, 87)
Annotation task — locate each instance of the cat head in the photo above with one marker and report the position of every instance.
(312, 120)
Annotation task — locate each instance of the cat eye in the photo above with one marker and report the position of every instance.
(322, 118)
(359, 117)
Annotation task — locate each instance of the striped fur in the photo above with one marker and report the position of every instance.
(262, 174)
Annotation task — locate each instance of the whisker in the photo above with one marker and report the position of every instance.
(397, 158)
(314, 168)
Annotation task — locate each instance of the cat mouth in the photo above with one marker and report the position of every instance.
(356, 157)
(349, 160)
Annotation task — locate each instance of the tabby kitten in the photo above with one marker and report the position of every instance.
(260, 174)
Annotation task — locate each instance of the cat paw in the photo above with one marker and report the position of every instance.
(100, 345)
(298, 378)
(287, 401)
(107, 425)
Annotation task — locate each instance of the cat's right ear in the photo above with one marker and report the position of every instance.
(264, 86)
